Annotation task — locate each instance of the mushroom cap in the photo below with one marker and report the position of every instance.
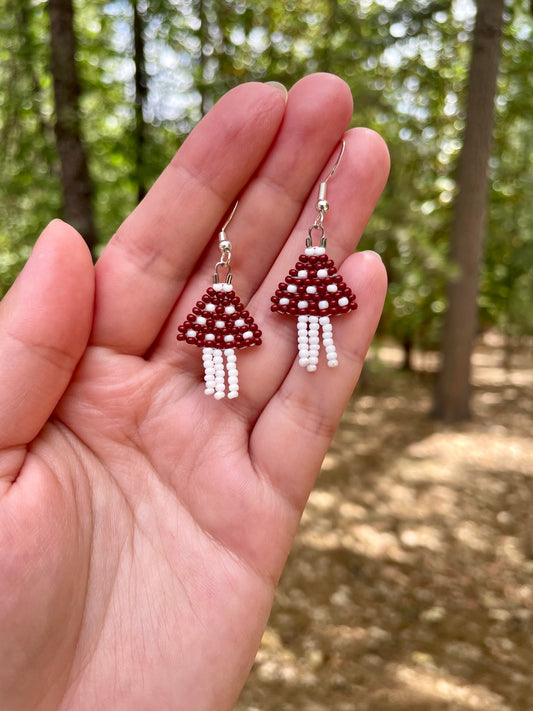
(313, 288)
(219, 320)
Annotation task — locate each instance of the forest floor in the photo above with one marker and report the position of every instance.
(410, 585)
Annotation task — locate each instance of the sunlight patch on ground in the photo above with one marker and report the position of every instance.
(438, 685)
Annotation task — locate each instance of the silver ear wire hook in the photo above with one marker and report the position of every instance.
(322, 205)
(225, 249)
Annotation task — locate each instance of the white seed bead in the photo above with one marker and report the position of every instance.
(219, 395)
(210, 307)
(324, 321)
(333, 363)
(284, 302)
(247, 334)
(313, 319)
(330, 349)
(230, 309)
(343, 301)
(201, 320)
(332, 288)
(228, 338)
(314, 340)
(239, 322)
(327, 341)
(302, 274)
(220, 324)
(233, 395)
(310, 290)
(303, 304)
(323, 304)
(292, 288)
(327, 328)
(322, 273)
(313, 360)
(311, 368)
(303, 362)
(209, 391)
(209, 337)
(233, 379)
(209, 371)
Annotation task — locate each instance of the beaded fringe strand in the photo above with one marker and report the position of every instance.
(215, 372)
(309, 341)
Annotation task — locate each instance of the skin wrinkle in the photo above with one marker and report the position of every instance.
(47, 352)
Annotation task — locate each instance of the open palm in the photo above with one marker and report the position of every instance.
(143, 525)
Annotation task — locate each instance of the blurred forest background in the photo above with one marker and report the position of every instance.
(97, 95)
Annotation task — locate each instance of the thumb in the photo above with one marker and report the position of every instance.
(45, 321)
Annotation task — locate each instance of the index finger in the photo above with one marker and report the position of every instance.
(149, 259)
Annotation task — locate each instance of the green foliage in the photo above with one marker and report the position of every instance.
(406, 63)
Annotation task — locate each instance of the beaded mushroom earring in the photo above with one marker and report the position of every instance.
(220, 325)
(314, 290)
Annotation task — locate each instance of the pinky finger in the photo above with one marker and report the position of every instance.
(294, 430)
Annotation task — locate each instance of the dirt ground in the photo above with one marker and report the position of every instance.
(410, 585)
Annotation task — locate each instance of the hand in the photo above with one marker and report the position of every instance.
(143, 525)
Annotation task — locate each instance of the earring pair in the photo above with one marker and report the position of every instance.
(313, 291)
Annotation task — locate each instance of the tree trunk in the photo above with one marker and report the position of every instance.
(141, 93)
(77, 189)
(452, 401)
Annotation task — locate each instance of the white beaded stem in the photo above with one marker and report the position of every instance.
(329, 345)
(233, 373)
(314, 343)
(209, 371)
(303, 341)
(220, 387)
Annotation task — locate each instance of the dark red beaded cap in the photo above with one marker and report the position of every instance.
(305, 293)
(220, 321)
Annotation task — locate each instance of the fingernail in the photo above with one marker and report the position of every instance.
(279, 86)
(371, 251)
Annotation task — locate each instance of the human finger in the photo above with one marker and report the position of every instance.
(352, 193)
(293, 432)
(318, 110)
(147, 262)
(45, 321)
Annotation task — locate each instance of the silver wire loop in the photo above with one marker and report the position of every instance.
(216, 277)
(309, 240)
